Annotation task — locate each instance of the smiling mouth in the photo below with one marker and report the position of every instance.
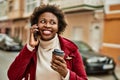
(47, 32)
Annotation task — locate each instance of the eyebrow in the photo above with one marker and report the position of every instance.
(50, 19)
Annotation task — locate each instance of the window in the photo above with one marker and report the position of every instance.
(77, 33)
(10, 6)
(30, 5)
(3, 8)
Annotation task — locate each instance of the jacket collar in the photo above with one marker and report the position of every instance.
(66, 47)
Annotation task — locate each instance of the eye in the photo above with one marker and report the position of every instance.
(52, 22)
(43, 21)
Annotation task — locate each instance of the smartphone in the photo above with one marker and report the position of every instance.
(36, 34)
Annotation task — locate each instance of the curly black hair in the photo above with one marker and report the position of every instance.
(53, 9)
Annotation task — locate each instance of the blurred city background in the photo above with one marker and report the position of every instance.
(95, 22)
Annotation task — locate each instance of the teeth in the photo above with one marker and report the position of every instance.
(46, 32)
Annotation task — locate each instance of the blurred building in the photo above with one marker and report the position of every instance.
(111, 37)
(85, 21)
(14, 17)
(85, 18)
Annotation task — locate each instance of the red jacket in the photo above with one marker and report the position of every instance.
(24, 66)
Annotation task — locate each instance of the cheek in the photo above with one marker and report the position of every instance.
(40, 26)
(56, 28)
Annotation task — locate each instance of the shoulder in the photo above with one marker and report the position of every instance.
(68, 43)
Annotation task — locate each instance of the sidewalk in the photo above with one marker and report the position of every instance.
(106, 76)
(117, 71)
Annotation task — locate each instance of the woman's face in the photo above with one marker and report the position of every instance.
(48, 25)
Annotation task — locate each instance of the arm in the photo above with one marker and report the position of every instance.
(78, 72)
(18, 67)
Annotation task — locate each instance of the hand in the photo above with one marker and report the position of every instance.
(58, 64)
(32, 41)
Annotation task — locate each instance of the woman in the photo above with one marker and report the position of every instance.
(35, 60)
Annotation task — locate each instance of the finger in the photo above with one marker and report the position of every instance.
(33, 29)
(59, 58)
(54, 67)
(56, 62)
(34, 26)
(32, 32)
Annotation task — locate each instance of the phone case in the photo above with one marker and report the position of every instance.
(36, 33)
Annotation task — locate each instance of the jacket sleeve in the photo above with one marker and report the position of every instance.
(18, 67)
(78, 72)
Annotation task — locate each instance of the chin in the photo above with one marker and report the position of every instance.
(47, 38)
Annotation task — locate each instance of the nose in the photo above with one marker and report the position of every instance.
(47, 24)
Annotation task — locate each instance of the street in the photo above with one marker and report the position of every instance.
(6, 59)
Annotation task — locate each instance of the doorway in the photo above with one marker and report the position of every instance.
(95, 37)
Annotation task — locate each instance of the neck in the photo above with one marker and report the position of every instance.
(49, 44)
